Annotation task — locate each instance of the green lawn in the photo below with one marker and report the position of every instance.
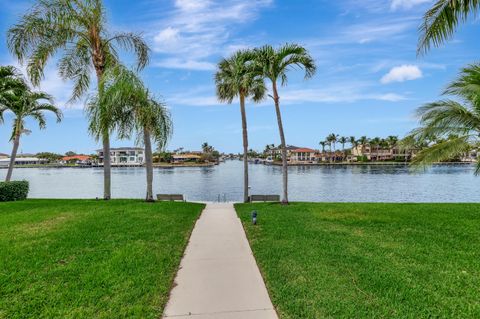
(90, 259)
(369, 260)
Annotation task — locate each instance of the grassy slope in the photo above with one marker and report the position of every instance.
(369, 260)
(90, 259)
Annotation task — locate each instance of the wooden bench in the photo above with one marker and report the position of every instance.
(170, 197)
(264, 198)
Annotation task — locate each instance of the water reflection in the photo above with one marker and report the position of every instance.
(366, 183)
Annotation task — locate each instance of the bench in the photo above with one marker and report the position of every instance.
(264, 198)
(170, 197)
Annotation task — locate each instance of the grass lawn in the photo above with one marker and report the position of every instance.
(368, 260)
(90, 259)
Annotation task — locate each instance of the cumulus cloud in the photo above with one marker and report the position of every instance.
(406, 4)
(402, 73)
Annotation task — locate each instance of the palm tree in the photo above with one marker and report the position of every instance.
(392, 141)
(375, 142)
(332, 140)
(323, 143)
(135, 111)
(353, 141)
(363, 141)
(274, 65)
(236, 77)
(22, 105)
(449, 118)
(442, 20)
(11, 82)
(343, 140)
(79, 30)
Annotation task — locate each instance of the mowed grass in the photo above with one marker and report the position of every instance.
(368, 260)
(90, 259)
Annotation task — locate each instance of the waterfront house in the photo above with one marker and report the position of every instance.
(124, 156)
(5, 162)
(302, 155)
(3, 155)
(77, 159)
(372, 153)
(276, 153)
(189, 157)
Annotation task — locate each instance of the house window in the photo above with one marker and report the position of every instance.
(132, 158)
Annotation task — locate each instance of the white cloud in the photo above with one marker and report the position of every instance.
(402, 73)
(197, 30)
(406, 4)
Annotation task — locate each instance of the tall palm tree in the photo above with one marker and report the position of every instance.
(78, 29)
(135, 111)
(26, 104)
(236, 77)
(332, 140)
(323, 143)
(441, 21)
(353, 141)
(343, 140)
(274, 64)
(449, 118)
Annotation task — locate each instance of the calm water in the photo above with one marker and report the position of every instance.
(453, 183)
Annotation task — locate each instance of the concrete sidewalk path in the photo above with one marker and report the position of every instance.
(218, 276)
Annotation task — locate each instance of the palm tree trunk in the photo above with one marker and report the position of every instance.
(245, 148)
(148, 164)
(16, 143)
(283, 145)
(107, 167)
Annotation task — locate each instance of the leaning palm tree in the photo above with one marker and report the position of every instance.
(26, 104)
(274, 64)
(133, 111)
(456, 125)
(236, 77)
(441, 21)
(78, 29)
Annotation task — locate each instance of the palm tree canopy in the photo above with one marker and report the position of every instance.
(456, 125)
(275, 63)
(30, 104)
(11, 85)
(236, 76)
(128, 107)
(441, 21)
(78, 29)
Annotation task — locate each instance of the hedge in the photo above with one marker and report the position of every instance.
(13, 191)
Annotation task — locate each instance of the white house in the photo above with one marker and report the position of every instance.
(124, 156)
(302, 155)
(5, 162)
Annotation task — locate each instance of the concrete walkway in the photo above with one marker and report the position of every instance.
(218, 276)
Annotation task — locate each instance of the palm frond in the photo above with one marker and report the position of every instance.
(131, 41)
(446, 150)
(441, 21)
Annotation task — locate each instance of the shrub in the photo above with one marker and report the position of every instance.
(13, 191)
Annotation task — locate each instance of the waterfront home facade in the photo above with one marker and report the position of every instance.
(77, 160)
(277, 151)
(189, 157)
(3, 155)
(5, 162)
(372, 153)
(124, 156)
(302, 155)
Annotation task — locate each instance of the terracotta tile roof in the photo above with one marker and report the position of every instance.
(303, 150)
(76, 157)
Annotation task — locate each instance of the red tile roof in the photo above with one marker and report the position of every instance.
(76, 157)
(303, 150)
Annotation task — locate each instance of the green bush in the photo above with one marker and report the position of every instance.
(13, 191)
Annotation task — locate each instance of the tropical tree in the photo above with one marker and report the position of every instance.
(353, 141)
(236, 77)
(11, 83)
(77, 29)
(323, 143)
(343, 140)
(441, 21)
(26, 104)
(375, 142)
(274, 64)
(363, 141)
(134, 111)
(450, 118)
(392, 141)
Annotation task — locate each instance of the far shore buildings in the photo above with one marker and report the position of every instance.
(77, 160)
(3, 155)
(188, 157)
(124, 156)
(305, 155)
(5, 162)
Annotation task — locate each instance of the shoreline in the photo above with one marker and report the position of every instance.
(364, 164)
(113, 166)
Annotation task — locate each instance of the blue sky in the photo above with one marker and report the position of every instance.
(369, 80)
